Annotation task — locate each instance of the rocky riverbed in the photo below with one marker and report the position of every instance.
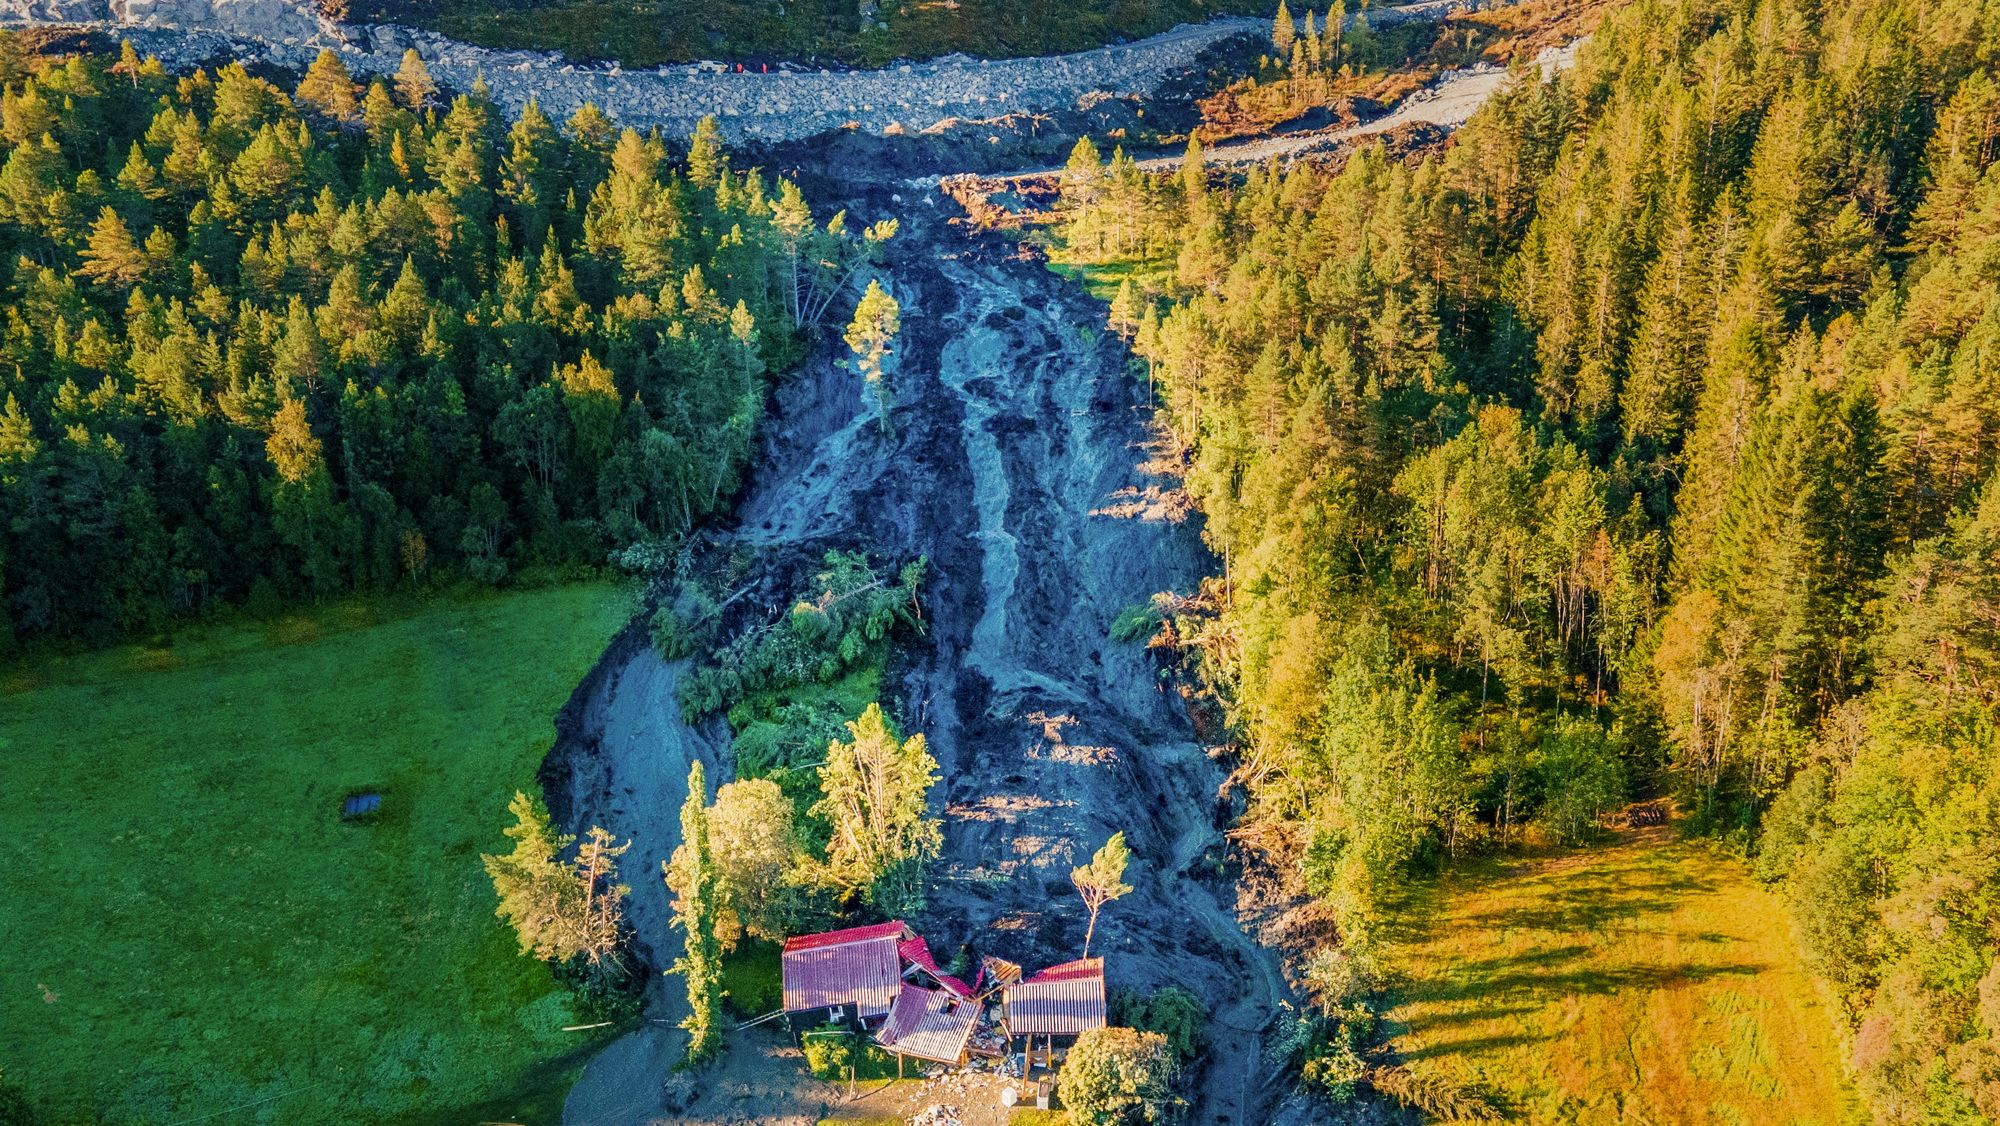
(781, 105)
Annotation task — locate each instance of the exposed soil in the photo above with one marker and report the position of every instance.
(1017, 444)
(1019, 462)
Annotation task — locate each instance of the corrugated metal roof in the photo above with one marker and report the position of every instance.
(1066, 971)
(929, 1024)
(895, 929)
(1061, 1000)
(855, 966)
(918, 952)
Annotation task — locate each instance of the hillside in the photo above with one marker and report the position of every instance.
(1649, 982)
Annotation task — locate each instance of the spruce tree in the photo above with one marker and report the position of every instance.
(532, 884)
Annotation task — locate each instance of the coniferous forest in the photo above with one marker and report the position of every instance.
(1631, 451)
(1641, 444)
(265, 346)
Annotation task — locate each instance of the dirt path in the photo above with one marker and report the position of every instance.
(622, 763)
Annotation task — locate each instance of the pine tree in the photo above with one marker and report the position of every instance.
(1284, 30)
(1101, 881)
(706, 162)
(692, 876)
(414, 87)
(128, 64)
(525, 172)
(18, 445)
(328, 89)
(1123, 316)
(293, 448)
(877, 319)
(111, 256)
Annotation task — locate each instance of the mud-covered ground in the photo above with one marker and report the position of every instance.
(1017, 464)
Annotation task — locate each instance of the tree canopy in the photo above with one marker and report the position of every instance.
(1640, 443)
(264, 346)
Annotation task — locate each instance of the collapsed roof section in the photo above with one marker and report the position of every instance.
(917, 952)
(931, 1024)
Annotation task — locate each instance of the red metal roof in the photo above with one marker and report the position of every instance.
(1061, 1000)
(894, 930)
(918, 952)
(929, 1024)
(857, 966)
(1067, 971)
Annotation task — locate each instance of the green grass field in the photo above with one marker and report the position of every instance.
(1650, 982)
(190, 927)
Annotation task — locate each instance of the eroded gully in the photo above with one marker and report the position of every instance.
(1017, 463)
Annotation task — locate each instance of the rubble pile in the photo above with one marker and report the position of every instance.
(937, 1114)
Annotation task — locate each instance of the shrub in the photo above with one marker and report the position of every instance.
(1119, 1077)
(670, 635)
(1136, 623)
(1172, 1012)
(830, 1050)
(1325, 1044)
(1580, 776)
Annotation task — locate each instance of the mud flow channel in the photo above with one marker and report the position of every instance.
(1018, 463)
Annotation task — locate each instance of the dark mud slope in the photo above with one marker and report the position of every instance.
(1016, 463)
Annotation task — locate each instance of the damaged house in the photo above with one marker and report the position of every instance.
(883, 979)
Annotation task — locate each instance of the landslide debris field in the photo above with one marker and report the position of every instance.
(1017, 466)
